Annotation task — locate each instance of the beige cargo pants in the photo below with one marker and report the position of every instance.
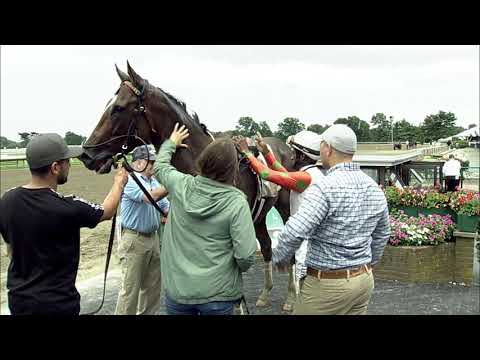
(141, 278)
(335, 296)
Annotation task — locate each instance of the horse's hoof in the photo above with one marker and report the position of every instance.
(263, 303)
(288, 307)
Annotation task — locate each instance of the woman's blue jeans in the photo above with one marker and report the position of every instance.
(211, 308)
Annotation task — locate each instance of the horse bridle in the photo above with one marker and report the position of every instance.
(140, 110)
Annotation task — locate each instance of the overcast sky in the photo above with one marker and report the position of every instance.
(65, 88)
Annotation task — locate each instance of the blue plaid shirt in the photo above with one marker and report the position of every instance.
(138, 214)
(345, 218)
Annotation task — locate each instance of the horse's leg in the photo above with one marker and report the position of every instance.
(266, 248)
(283, 207)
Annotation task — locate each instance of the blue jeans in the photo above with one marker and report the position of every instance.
(211, 308)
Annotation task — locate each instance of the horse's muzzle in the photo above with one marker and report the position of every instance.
(101, 166)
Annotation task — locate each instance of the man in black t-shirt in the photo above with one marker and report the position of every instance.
(42, 230)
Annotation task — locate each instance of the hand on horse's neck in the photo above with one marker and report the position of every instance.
(184, 159)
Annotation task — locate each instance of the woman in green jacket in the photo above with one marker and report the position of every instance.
(209, 238)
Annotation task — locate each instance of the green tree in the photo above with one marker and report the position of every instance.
(472, 126)
(317, 128)
(265, 129)
(403, 131)
(74, 139)
(360, 127)
(382, 129)
(25, 138)
(289, 126)
(5, 143)
(246, 127)
(438, 126)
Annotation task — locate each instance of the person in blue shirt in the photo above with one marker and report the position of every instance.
(138, 246)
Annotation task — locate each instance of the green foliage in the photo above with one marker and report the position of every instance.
(265, 130)
(438, 126)
(403, 131)
(465, 203)
(317, 128)
(360, 128)
(382, 129)
(289, 126)
(9, 144)
(460, 144)
(74, 139)
(471, 208)
(434, 127)
(247, 127)
(392, 194)
(472, 126)
(424, 230)
(437, 200)
(25, 138)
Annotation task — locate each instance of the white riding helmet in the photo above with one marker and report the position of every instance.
(306, 142)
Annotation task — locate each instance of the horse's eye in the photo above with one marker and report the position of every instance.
(117, 109)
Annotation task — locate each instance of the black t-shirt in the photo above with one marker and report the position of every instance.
(43, 229)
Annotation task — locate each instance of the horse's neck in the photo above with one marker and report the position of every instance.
(184, 159)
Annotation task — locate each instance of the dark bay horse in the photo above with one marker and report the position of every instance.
(151, 113)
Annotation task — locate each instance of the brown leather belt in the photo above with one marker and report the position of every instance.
(339, 274)
(138, 232)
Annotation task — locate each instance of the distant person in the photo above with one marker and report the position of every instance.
(451, 171)
(345, 217)
(42, 230)
(209, 239)
(407, 144)
(139, 246)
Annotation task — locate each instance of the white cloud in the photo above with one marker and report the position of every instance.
(62, 88)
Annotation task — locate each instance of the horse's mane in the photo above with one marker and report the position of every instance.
(183, 106)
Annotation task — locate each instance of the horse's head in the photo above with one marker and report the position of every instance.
(123, 125)
(139, 113)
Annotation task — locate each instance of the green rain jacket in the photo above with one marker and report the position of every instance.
(209, 238)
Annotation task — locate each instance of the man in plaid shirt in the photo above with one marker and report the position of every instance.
(345, 218)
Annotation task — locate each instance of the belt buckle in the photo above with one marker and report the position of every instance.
(367, 269)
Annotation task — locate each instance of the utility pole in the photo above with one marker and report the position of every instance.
(391, 124)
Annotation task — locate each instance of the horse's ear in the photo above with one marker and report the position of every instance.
(137, 79)
(121, 74)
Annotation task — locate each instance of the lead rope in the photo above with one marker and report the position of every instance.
(127, 166)
(107, 263)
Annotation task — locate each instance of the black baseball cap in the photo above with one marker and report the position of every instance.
(44, 149)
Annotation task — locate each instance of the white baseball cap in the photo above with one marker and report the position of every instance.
(340, 137)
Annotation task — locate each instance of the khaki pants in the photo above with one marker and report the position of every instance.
(335, 296)
(141, 278)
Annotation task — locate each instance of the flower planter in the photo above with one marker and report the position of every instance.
(467, 223)
(421, 264)
(439, 211)
(410, 211)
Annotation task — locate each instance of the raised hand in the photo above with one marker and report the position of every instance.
(261, 145)
(241, 143)
(178, 135)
